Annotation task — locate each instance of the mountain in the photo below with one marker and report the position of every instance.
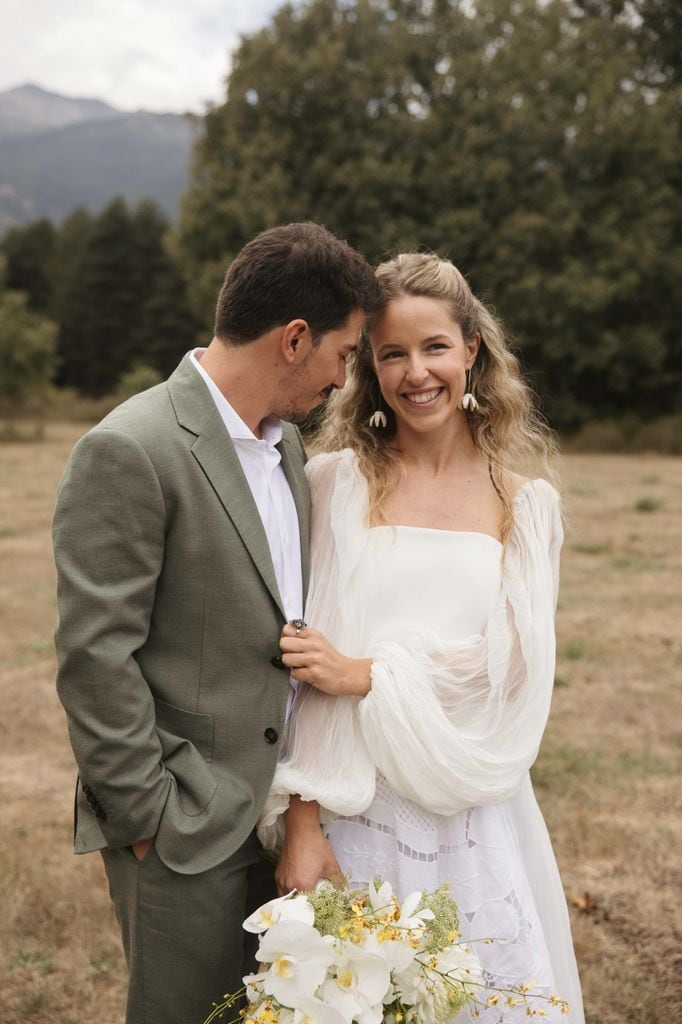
(30, 109)
(57, 153)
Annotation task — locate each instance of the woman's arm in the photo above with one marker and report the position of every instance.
(306, 855)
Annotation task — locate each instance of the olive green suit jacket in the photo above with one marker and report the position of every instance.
(169, 620)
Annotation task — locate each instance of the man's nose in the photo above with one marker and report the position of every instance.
(340, 378)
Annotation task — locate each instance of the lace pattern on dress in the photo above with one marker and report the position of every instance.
(402, 843)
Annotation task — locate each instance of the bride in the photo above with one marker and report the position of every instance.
(429, 657)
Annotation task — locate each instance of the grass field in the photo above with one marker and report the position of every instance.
(607, 777)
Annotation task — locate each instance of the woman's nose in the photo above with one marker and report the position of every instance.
(417, 370)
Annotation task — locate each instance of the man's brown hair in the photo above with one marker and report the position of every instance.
(295, 271)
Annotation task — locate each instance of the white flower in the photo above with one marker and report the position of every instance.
(460, 964)
(397, 953)
(357, 984)
(298, 958)
(426, 991)
(254, 987)
(381, 899)
(408, 918)
(314, 1011)
(286, 908)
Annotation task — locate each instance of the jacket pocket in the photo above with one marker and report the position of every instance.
(187, 744)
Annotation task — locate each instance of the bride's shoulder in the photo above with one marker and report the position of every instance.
(324, 466)
(536, 509)
(527, 489)
(513, 482)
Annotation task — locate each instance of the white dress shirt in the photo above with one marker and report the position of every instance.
(262, 465)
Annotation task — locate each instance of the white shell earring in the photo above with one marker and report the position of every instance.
(378, 419)
(468, 401)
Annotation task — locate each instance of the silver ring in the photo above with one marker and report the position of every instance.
(298, 625)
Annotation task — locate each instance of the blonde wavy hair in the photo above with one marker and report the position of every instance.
(505, 427)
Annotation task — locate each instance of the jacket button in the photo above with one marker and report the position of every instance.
(271, 735)
(278, 663)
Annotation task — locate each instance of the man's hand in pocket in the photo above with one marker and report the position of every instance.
(142, 848)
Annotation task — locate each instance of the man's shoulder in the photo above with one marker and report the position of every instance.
(139, 414)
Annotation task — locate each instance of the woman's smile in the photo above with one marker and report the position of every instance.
(424, 398)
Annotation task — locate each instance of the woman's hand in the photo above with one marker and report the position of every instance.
(313, 660)
(307, 856)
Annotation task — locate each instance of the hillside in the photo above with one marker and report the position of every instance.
(57, 153)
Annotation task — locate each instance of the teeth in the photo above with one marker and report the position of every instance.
(426, 396)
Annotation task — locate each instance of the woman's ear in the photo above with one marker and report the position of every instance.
(472, 345)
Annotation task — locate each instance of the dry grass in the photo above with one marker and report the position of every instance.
(605, 778)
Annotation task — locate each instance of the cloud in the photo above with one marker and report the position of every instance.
(153, 54)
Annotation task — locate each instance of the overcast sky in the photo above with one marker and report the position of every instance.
(151, 54)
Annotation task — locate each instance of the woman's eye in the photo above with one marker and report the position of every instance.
(389, 355)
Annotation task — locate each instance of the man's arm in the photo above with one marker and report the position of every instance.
(109, 528)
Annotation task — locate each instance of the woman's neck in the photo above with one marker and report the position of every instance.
(438, 453)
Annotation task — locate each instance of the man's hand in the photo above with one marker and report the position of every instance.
(306, 857)
(313, 660)
(142, 848)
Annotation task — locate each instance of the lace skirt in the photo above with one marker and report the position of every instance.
(477, 853)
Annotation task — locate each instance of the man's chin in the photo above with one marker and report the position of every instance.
(299, 416)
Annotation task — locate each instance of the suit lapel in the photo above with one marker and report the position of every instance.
(214, 451)
(292, 465)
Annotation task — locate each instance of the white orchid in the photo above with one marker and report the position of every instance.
(410, 917)
(314, 1011)
(252, 983)
(357, 983)
(367, 957)
(381, 899)
(460, 965)
(298, 957)
(285, 908)
(397, 953)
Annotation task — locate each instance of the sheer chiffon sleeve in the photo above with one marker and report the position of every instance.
(449, 725)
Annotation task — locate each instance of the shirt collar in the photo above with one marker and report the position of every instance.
(271, 426)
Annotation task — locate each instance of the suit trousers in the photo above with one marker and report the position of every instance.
(182, 934)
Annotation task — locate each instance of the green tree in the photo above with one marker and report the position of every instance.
(165, 326)
(29, 254)
(68, 255)
(100, 305)
(536, 143)
(27, 355)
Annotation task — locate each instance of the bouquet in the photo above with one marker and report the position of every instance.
(337, 956)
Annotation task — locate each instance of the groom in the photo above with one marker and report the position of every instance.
(181, 544)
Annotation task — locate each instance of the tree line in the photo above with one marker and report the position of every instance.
(534, 142)
(111, 285)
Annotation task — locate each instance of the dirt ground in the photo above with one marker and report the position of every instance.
(607, 777)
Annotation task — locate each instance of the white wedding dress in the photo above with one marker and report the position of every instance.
(426, 779)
